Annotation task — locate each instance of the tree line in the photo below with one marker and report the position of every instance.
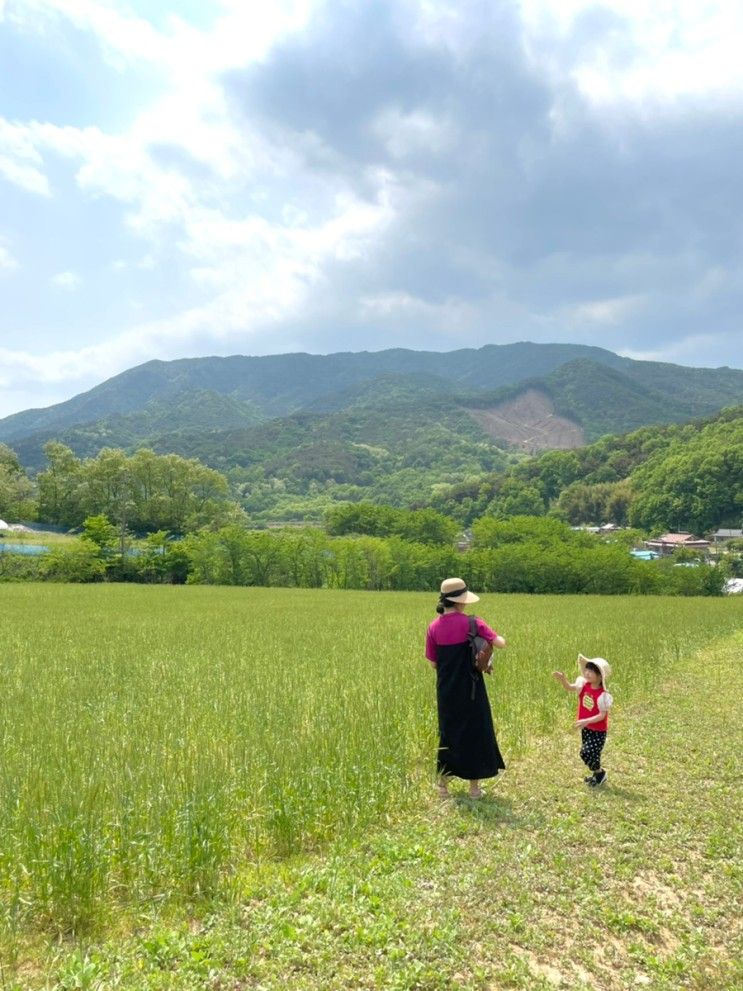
(129, 508)
(141, 492)
(680, 477)
(524, 554)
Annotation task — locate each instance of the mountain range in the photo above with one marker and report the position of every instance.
(352, 417)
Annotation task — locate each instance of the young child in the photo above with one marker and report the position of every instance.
(594, 703)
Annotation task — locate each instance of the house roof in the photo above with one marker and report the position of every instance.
(728, 533)
(678, 538)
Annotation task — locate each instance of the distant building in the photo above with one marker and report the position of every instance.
(464, 540)
(645, 555)
(722, 536)
(671, 542)
(604, 528)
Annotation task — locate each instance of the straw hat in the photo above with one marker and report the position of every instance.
(603, 666)
(455, 589)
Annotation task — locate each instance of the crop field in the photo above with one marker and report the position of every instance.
(156, 741)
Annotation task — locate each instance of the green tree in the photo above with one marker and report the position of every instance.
(602, 502)
(543, 531)
(81, 562)
(58, 486)
(99, 530)
(425, 526)
(196, 495)
(361, 518)
(16, 489)
(518, 498)
(162, 559)
(693, 488)
(144, 492)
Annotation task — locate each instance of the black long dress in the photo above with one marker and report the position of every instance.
(467, 744)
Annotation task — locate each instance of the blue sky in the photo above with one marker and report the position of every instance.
(227, 176)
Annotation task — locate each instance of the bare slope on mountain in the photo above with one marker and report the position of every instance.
(278, 385)
(591, 386)
(530, 423)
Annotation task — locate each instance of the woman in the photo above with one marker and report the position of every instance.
(467, 745)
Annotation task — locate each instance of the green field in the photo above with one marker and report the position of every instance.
(37, 537)
(157, 742)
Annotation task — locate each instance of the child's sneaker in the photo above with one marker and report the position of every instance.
(598, 779)
(590, 780)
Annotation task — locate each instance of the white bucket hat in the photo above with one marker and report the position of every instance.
(456, 590)
(603, 666)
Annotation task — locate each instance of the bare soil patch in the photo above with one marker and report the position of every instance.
(530, 423)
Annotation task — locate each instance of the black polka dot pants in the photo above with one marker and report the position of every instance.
(593, 744)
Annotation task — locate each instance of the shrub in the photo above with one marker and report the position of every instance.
(81, 562)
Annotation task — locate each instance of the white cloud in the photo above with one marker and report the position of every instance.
(261, 274)
(451, 314)
(262, 230)
(257, 264)
(416, 133)
(66, 280)
(190, 113)
(646, 54)
(147, 263)
(120, 32)
(229, 317)
(705, 350)
(7, 260)
(605, 311)
(20, 161)
(242, 33)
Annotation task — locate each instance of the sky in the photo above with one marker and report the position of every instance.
(239, 177)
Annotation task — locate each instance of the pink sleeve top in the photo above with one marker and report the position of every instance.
(453, 627)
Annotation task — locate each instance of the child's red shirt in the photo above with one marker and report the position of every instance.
(588, 706)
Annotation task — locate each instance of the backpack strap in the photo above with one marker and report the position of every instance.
(473, 630)
(473, 650)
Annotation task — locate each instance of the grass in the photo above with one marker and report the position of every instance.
(543, 885)
(161, 749)
(37, 537)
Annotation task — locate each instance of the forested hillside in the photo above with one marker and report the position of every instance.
(129, 507)
(296, 435)
(406, 405)
(283, 384)
(686, 477)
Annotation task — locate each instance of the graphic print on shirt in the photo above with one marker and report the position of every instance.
(589, 707)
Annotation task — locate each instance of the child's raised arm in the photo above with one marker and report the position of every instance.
(564, 681)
